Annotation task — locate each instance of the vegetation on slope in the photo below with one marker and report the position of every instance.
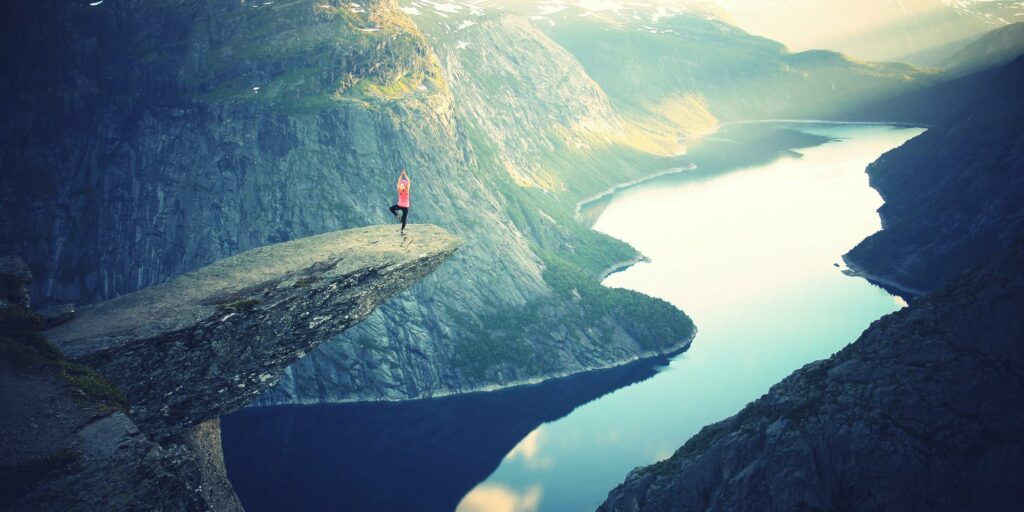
(575, 260)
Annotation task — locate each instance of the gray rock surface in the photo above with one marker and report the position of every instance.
(924, 412)
(65, 445)
(204, 440)
(56, 314)
(206, 342)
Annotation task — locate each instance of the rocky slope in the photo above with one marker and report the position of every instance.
(953, 195)
(206, 342)
(152, 139)
(922, 412)
(184, 353)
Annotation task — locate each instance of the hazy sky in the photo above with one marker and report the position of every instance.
(911, 30)
(871, 29)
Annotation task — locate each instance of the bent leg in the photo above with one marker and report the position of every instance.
(394, 209)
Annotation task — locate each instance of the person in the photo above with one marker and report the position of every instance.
(403, 199)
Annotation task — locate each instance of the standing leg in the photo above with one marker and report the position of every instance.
(405, 213)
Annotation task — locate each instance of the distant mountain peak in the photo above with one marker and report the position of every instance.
(996, 12)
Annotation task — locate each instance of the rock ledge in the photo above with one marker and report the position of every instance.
(206, 342)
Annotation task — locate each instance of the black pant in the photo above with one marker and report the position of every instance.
(405, 213)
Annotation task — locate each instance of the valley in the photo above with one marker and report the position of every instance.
(661, 211)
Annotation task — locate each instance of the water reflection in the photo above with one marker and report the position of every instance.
(498, 498)
(421, 455)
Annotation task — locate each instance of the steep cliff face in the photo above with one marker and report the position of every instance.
(152, 139)
(522, 119)
(224, 127)
(953, 195)
(922, 412)
(183, 352)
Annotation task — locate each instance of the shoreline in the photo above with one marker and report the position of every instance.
(718, 127)
(641, 357)
(622, 266)
(893, 288)
(627, 184)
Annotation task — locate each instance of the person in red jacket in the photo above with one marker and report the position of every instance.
(403, 198)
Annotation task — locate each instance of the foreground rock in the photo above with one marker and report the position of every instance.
(184, 352)
(206, 342)
(924, 412)
(65, 442)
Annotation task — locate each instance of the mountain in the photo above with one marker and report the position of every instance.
(662, 66)
(953, 195)
(922, 412)
(149, 140)
(995, 48)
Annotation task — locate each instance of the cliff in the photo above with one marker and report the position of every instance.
(922, 412)
(953, 195)
(206, 342)
(151, 139)
(122, 411)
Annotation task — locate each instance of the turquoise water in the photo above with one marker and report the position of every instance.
(749, 255)
(746, 245)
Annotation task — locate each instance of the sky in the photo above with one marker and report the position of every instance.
(871, 29)
(916, 31)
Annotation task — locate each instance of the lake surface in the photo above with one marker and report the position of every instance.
(747, 244)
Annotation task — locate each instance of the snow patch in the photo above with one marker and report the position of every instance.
(412, 11)
(448, 8)
(552, 8)
(461, 44)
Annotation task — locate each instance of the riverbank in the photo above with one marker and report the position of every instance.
(632, 183)
(668, 353)
(906, 293)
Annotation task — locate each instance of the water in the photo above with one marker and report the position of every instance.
(746, 244)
